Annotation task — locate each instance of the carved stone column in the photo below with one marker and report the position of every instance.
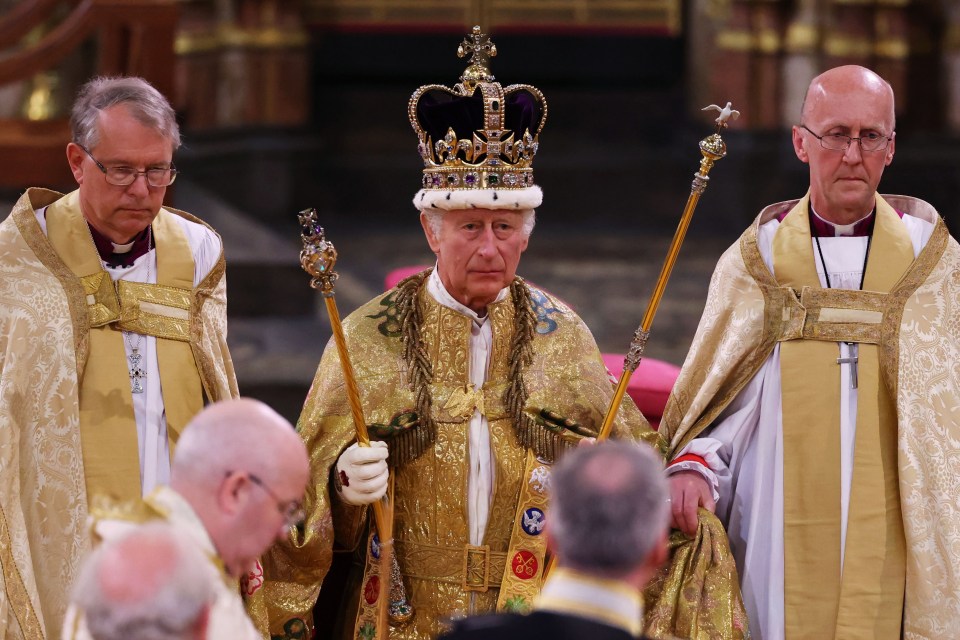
(801, 59)
(848, 35)
(892, 52)
(767, 24)
(243, 62)
(745, 65)
(951, 64)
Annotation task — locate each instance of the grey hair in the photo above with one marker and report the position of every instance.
(435, 220)
(145, 103)
(171, 610)
(608, 507)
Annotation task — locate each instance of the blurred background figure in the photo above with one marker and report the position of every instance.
(238, 478)
(150, 584)
(607, 524)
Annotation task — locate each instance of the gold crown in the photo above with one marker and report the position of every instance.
(477, 135)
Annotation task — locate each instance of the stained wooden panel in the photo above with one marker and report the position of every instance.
(132, 37)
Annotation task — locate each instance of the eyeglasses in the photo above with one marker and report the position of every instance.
(292, 510)
(125, 176)
(839, 142)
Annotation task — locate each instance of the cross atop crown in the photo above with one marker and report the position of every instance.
(480, 48)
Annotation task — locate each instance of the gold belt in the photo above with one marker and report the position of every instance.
(474, 568)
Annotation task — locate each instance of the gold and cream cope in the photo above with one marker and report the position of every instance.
(492, 157)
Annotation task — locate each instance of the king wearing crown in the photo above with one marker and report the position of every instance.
(472, 382)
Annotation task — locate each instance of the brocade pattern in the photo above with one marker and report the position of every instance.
(566, 374)
(44, 323)
(928, 404)
(919, 361)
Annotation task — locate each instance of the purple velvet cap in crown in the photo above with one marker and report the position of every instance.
(478, 140)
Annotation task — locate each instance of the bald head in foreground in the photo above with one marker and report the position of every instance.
(242, 468)
(815, 411)
(607, 524)
(148, 584)
(237, 481)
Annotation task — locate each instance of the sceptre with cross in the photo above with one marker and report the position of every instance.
(480, 49)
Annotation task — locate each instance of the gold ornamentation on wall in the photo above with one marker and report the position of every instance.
(735, 40)
(656, 15)
(40, 103)
(951, 41)
(802, 38)
(896, 48)
(840, 46)
(762, 40)
(228, 35)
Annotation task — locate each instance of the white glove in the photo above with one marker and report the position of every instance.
(362, 473)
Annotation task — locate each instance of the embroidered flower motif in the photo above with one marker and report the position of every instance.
(253, 580)
(543, 309)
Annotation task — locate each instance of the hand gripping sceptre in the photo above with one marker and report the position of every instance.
(318, 258)
(712, 148)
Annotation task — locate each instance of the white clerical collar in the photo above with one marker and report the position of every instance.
(609, 601)
(841, 229)
(441, 295)
(122, 248)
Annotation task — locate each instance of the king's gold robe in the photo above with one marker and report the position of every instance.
(45, 330)
(566, 378)
(908, 333)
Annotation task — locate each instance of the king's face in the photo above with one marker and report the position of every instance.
(478, 251)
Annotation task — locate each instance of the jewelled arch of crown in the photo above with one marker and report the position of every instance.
(493, 157)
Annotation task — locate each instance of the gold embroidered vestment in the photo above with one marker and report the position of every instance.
(566, 378)
(915, 329)
(45, 325)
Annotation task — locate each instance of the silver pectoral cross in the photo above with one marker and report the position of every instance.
(137, 374)
(851, 360)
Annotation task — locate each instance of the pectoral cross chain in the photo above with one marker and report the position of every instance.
(137, 374)
(851, 360)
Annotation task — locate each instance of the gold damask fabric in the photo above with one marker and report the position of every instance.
(867, 601)
(44, 326)
(566, 379)
(747, 311)
(696, 595)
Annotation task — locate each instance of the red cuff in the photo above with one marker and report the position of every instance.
(690, 457)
